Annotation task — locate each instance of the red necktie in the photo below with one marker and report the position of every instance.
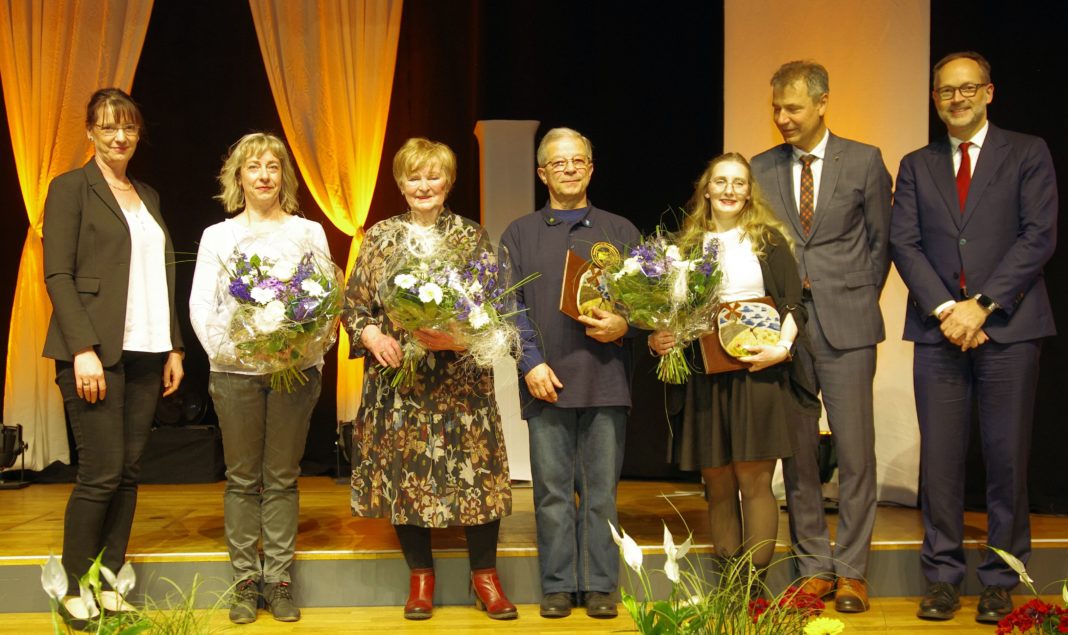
(807, 207)
(964, 175)
(964, 179)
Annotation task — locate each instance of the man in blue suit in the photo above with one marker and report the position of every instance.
(974, 221)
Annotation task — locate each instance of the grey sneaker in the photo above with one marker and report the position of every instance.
(280, 602)
(244, 602)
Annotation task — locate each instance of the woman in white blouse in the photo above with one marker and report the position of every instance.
(264, 429)
(109, 269)
(735, 425)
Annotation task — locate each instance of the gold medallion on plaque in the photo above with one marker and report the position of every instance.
(604, 255)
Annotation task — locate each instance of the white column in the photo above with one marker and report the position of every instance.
(506, 170)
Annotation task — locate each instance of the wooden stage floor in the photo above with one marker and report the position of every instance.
(176, 522)
(183, 523)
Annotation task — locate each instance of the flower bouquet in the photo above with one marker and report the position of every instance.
(1035, 616)
(463, 295)
(659, 287)
(287, 313)
(723, 605)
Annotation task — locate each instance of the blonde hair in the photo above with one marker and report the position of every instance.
(756, 221)
(252, 145)
(420, 152)
(561, 133)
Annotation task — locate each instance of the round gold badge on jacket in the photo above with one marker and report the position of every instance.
(604, 254)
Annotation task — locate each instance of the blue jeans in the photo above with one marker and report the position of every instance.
(577, 451)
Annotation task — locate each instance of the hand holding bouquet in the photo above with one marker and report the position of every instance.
(435, 288)
(287, 312)
(665, 286)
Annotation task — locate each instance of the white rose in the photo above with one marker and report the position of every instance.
(405, 280)
(685, 265)
(282, 270)
(673, 252)
(270, 317)
(312, 288)
(430, 292)
(262, 295)
(478, 318)
(630, 265)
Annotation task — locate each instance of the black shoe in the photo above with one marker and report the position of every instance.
(600, 604)
(556, 605)
(940, 602)
(994, 604)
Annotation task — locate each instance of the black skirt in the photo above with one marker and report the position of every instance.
(728, 417)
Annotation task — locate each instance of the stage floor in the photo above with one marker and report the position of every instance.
(176, 522)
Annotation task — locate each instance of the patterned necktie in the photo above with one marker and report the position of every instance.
(964, 175)
(808, 195)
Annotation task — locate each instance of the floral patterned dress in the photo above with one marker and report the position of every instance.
(432, 453)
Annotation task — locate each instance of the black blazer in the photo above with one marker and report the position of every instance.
(87, 265)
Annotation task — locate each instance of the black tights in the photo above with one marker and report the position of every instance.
(751, 524)
(481, 545)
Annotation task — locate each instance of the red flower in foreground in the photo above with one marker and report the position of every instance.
(1034, 615)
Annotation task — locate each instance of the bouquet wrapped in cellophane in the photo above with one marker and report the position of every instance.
(287, 312)
(665, 286)
(453, 286)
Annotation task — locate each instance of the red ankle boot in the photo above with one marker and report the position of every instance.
(489, 596)
(420, 604)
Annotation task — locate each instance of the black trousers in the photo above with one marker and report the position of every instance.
(110, 436)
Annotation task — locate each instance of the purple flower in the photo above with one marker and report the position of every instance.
(240, 290)
(305, 309)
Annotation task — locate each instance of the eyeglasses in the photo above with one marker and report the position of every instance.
(579, 164)
(721, 184)
(109, 132)
(946, 93)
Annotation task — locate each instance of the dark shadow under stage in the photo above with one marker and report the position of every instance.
(345, 561)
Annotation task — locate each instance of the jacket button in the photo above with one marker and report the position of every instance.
(963, 241)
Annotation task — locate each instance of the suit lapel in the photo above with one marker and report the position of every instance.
(785, 176)
(102, 191)
(991, 156)
(832, 167)
(940, 164)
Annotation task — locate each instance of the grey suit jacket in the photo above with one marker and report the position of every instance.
(87, 265)
(846, 257)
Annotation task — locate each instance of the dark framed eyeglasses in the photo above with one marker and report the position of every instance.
(945, 93)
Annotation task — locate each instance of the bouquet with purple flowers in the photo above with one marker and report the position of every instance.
(434, 286)
(287, 313)
(664, 285)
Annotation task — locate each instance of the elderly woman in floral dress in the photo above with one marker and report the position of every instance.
(430, 452)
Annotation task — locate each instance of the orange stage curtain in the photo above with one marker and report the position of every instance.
(330, 64)
(53, 55)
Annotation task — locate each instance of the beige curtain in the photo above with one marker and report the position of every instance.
(53, 55)
(330, 64)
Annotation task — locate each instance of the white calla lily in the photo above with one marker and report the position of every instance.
(1017, 566)
(126, 580)
(54, 578)
(632, 553)
(673, 555)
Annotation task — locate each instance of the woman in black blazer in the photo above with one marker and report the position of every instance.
(109, 269)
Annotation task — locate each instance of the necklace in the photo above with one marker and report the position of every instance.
(128, 188)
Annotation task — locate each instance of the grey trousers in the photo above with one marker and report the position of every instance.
(263, 432)
(844, 379)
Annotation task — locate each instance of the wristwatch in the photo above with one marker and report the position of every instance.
(986, 303)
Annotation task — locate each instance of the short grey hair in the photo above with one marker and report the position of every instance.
(559, 133)
(813, 74)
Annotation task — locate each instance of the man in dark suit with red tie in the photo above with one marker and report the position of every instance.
(974, 221)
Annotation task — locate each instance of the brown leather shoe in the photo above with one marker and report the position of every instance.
(851, 596)
(820, 587)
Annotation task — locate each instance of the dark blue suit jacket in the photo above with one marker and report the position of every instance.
(1003, 239)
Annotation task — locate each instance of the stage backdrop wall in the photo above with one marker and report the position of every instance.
(873, 51)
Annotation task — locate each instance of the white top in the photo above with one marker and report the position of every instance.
(148, 310)
(977, 141)
(211, 306)
(817, 169)
(742, 277)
